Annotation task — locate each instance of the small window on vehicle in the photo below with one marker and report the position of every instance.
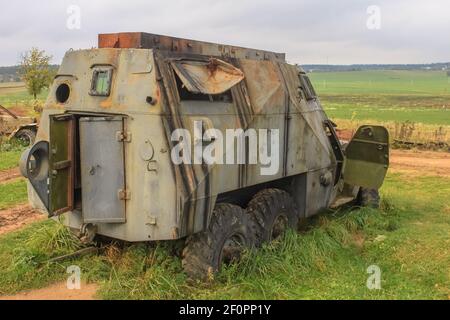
(308, 89)
(101, 82)
(62, 93)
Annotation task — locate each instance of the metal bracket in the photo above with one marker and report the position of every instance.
(124, 194)
(151, 220)
(122, 136)
(152, 166)
(62, 164)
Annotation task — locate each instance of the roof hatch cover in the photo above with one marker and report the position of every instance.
(211, 76)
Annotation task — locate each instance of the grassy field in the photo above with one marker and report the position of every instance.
(408, 239)
(15, 94)
(9, 157)
(392, 82)
(421, 97)
(13, 193)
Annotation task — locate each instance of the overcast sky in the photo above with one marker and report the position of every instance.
(334, 32)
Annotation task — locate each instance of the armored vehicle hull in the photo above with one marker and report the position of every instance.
(155, 138)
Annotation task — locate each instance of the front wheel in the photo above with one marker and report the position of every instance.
(229, 232)
(368, 198)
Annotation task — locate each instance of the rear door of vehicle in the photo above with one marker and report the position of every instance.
(102, 169)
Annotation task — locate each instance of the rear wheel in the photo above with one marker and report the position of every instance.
(26, 136)
(229, 232)
(368, 198)
(274, 211)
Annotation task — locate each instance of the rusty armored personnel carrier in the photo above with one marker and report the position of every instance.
(118, 144)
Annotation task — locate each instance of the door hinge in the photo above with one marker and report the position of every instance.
(122, 136)
(124, 194)
(60, 165)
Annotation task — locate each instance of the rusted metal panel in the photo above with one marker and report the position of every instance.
(142, 40)
(120, 40)
(264, 86)
(212, 76)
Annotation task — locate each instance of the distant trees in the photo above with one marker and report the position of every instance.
(35, 71)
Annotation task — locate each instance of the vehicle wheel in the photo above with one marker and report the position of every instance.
(26, 136)
(274, 211)
(230, 230)
(368, 198)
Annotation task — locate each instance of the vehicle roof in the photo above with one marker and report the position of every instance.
(142, 40)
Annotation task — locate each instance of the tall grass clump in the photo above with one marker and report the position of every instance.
(24, 256)
(144, 272)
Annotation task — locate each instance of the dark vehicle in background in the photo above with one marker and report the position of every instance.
(19, 127)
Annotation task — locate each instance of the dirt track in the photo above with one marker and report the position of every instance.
(9, 174)
(420, 162)
(57, 291)
(15, 218)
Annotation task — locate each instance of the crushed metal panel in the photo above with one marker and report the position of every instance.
(367, 157)
(102, 170)
(212, 76)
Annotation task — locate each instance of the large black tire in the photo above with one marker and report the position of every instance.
(274, 211)
(26, 136)
(230, 230)
(368, 198)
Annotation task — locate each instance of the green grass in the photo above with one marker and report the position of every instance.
(414, 96)
(13, 193)
(10, 159)
(328, 260)
(388, 113)
(403, 82)
(18, 95)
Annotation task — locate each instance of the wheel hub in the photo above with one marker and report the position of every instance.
(279, 226)
(232, 248)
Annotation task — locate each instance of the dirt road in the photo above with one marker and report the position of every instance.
(14, 218)
(9, 174)
(57, 291)
(420, 162)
